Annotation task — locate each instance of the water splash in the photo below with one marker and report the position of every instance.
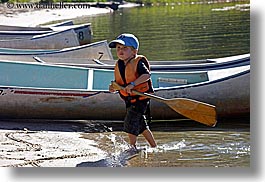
(172, 146)
(119, 152)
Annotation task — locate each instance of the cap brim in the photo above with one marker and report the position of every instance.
(113, 43)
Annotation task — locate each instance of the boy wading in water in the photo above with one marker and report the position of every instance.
(132, 71)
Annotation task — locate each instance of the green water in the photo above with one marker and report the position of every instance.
(180, 32)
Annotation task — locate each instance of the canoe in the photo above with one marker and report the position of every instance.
(83, 31)
(37, 28)
(96, 50)
(32, 90)
(229, 92)
(188, 65)
(36, 75)
(64, 23)
(54, 40)
(82, 57)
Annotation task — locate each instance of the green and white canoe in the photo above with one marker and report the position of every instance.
(33, 90)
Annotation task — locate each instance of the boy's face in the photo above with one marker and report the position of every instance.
(125, 52)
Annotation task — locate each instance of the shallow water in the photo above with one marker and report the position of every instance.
(185, 143)
(198, 149)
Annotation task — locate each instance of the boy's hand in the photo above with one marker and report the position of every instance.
(112, 88)
(129, 88)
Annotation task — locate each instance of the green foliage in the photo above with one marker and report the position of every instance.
(169, 1)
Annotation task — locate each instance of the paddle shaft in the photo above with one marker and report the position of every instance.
(195, 110)
(150, 96)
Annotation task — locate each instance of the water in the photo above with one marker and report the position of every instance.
(180, 32)
(185, 144)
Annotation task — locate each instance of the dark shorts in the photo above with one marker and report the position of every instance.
(135, 122)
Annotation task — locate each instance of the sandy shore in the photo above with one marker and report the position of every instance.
(48, 143)
(32, 143)
(34, 17)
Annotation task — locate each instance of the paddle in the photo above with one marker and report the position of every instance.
(192, 109)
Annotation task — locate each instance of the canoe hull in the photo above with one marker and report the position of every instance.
(84, 31)
(84, 52)
(230, 96)
(55, 40)
(188, 65)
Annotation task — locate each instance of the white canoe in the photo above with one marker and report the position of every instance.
(54, 40)
(37, 28)
(83, 31)
(85, 53)
(187, 65)
(31, 90)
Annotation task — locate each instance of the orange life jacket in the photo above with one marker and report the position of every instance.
(131, 75)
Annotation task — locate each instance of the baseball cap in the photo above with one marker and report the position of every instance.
(125, 39)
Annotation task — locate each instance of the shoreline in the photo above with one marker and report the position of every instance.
(33, 17)
(36, 17)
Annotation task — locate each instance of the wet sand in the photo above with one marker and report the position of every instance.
(50, 143)
(32, 143)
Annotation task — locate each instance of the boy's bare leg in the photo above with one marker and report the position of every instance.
(149, 137)
(132, 139)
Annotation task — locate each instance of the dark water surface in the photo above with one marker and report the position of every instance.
(180, 32)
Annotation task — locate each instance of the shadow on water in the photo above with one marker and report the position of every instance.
(100, 163)
(118, 160)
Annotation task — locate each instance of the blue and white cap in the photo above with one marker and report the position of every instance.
(125, 39)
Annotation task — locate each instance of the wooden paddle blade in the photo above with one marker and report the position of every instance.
(195, 110)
